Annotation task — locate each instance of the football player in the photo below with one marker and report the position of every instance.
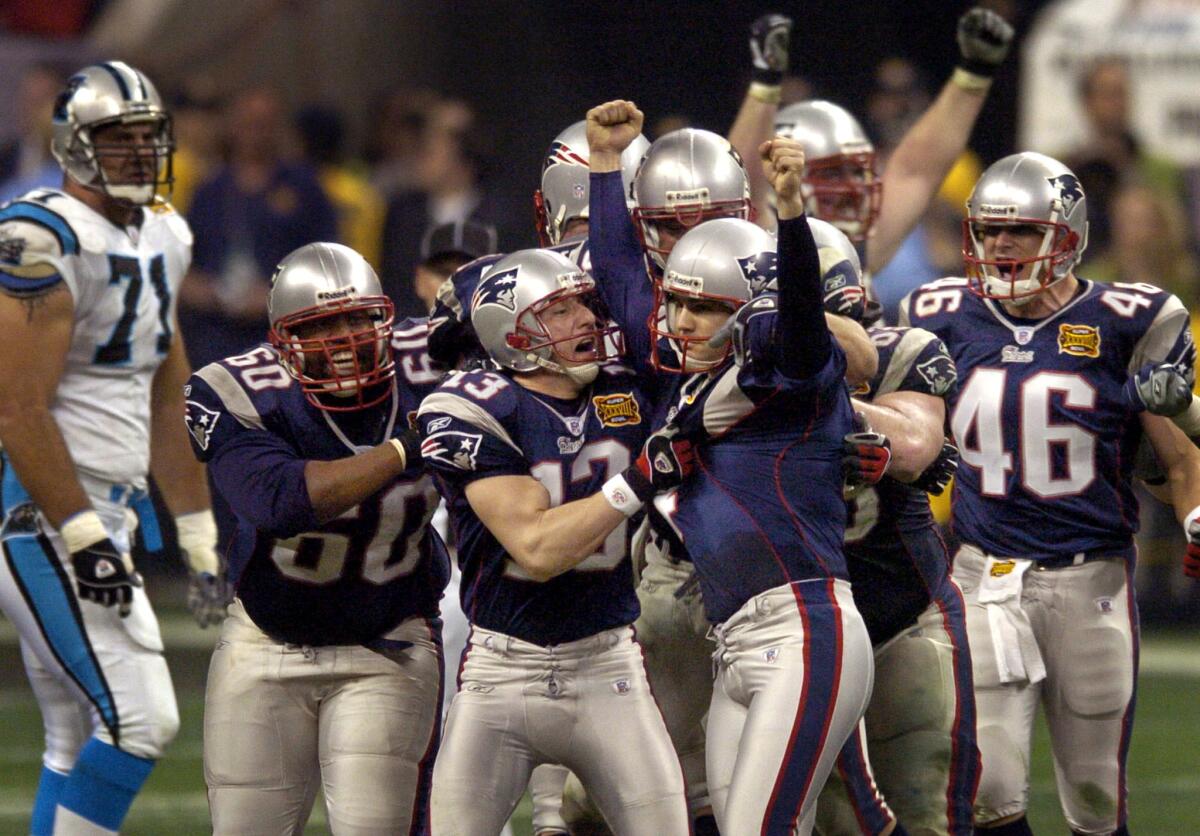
(1048, 415)
(329, 669)
(537, 464)
(762, 520)
(842, 183)
(920, 723)
(686, 176)
(561, 214)
(91, 391)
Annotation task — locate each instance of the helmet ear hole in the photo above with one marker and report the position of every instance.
(517, 341)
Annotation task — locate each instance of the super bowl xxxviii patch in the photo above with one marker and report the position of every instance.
(619, 409)
(1079, 340)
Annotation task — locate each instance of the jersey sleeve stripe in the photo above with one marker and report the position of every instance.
(905, 354)
(24, 285)
(465, 410)
(1161, 336)
(40, 215)
(232, 395)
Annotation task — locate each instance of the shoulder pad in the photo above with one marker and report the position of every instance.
(912, 359)
(33, 243)
(482, 398)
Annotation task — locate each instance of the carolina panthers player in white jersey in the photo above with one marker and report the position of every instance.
(1057, 375)
(91, 395)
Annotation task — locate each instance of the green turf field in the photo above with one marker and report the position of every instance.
(1164, 781)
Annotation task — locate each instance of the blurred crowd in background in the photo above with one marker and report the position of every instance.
(423, 185)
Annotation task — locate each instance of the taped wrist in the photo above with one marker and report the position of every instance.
(768, 92)
(970, 79)
(82, 530)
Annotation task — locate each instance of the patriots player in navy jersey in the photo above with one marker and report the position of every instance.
(686, 177)
(536, 461)
(1048, 418)
(922, 706)
(329, 667)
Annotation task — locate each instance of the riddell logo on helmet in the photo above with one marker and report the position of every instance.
(331, 295)
(990, 210)
(684, 197)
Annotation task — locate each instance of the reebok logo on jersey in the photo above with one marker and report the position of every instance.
(617, 410)
(201, 421)
(1079, 340)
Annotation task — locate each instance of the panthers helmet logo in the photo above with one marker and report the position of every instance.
(500, 289)
(759, 271)
(1069, 191)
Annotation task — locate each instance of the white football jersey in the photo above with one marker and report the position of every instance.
(124, 283)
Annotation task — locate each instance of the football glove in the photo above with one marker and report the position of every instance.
(865, 457)
(1191, 558)
(208, 593)
(984, 39)
(769, 39)
(1160, 389)
(664, 463)
(937, 476)
(102, 574)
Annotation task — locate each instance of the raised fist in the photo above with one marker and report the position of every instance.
(612, 126)
(984, 39)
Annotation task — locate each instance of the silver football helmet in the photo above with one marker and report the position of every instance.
(332, 326)
(841, 185)
(726, 261)
(564, 192)
(518, 308)
(687, 176)
(1025, 190)
(100, 96)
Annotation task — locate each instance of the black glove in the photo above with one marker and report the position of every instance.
(941, 470)
(664, 463)
(865, 457)
(103, 575)
(983, 41)
(769, 38)
(1160, 389)
(409, 443)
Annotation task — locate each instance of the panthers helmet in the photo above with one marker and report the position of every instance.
(332, 285)
(687, 176)
(509, 308)
(841, 184)
(97, 97)
(1026, 189)
(727, 260)
(564, 192)
(844, 288)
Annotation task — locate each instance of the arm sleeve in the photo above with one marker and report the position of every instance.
(803, 342)
(263, 479)
(617, 263)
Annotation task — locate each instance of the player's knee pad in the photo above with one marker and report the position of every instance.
(1003, 783)
(914, 689)
(1100, 680)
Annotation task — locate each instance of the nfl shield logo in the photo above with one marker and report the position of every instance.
(1023, 335)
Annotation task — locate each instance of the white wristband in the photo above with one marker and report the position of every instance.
(82, 530)
(399, 447)
(1192, 516)
(620, 496)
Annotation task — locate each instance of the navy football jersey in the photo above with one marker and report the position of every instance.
(895, 554)
(349, 580)
(764, 507)
(451, 339)
(1046, 440)
(480, 424)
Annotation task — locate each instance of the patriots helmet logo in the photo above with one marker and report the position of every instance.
(1069, 191)
(759, 271)
(498, 289)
